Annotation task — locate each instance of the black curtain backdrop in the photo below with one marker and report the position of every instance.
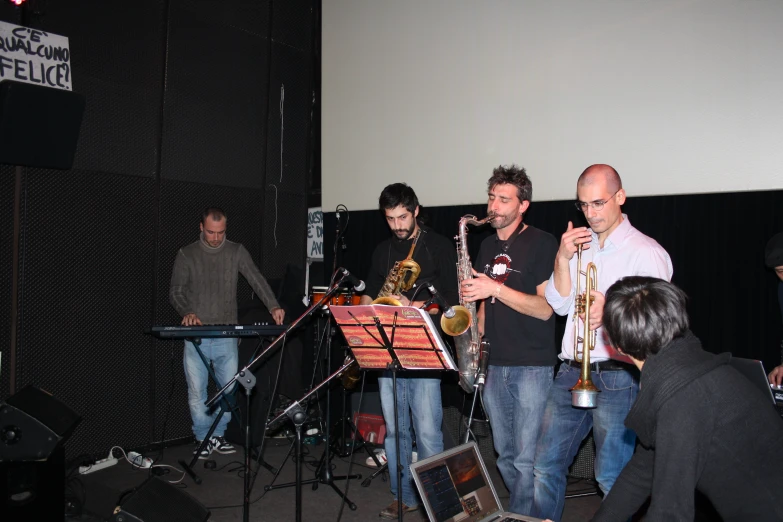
(186, 103)
(716, 242)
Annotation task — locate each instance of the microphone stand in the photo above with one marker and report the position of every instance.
(299, 416)
(247, 380)
(478, 385)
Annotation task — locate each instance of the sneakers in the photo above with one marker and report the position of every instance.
(205, 452)
(218, 444)
(391, 510)
(380, 454)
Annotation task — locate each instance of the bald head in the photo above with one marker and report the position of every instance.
(601, 173)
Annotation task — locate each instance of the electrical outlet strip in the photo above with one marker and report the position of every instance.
(99, 464)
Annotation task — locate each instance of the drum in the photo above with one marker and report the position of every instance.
(345, 297)
(320, 291)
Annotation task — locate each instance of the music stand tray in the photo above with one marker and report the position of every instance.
(412, 336)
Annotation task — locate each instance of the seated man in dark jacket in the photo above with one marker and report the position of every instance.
(702, 425)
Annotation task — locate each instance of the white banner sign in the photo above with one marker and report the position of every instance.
(315, 233)
(34, 56)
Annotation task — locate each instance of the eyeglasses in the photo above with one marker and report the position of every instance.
(597, 205)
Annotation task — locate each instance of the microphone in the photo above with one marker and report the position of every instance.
(448, 311)
(354, 281)
(481, 375)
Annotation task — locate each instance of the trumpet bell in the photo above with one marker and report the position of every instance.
(458, 324)
(584, 395)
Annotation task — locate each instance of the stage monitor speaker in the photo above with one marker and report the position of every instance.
(158, 501)
(39, 126)
(33, 424)
(33, 490)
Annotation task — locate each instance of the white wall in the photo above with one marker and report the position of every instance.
(679, 96)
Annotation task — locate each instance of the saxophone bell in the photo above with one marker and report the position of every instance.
(455, 319)
(457, 324)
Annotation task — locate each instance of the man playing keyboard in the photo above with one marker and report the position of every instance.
(203, 290)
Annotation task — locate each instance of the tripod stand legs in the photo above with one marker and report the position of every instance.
(381, 469)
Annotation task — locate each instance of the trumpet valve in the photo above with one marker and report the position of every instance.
(579, 304)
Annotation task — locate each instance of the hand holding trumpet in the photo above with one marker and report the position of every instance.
(596, 310)
(571, 239)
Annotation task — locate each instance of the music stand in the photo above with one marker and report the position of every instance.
(393, 338)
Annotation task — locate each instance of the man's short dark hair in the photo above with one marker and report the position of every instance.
(398, 194)
(644, 314)
(215, 213)
(512, 175)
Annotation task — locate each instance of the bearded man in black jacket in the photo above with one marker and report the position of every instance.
(701, 424)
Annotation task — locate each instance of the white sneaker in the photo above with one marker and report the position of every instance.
(415, 456)
(380, 454)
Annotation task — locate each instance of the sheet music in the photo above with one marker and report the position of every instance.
(414, 337)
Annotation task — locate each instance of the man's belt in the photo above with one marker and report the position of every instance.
(603, 366)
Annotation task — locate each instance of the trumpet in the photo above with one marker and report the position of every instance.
(584, 394)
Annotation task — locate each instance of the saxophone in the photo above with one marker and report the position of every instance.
(401, 277)
(469, 343)
(397, 281)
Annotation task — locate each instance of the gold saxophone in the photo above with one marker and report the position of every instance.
(401, 277)
(468, 342)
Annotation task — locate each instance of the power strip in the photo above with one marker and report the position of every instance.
(99, 464)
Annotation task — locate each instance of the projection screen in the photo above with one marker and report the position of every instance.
(680, 96)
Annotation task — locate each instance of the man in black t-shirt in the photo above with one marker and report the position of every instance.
(418, 393)
(511, 274)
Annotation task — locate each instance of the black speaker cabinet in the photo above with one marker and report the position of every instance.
(33, 424)
(33, 490)
(39, 126)
(158, 501)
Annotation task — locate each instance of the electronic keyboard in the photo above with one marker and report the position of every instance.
(216, 331)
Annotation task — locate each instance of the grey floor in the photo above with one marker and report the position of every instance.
(222, 488)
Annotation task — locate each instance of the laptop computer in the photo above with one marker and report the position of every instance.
(455, 487)
(755, 373)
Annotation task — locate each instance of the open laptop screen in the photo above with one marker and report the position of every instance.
(455, 486)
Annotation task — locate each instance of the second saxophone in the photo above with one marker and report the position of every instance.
(468, 343)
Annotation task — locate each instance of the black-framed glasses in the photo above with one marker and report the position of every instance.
(597, 205)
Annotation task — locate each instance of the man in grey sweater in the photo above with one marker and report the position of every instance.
(204, 291)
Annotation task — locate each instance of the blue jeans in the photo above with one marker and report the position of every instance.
(224, 356)
(515, 397)
(418, 399)
(565, 427)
